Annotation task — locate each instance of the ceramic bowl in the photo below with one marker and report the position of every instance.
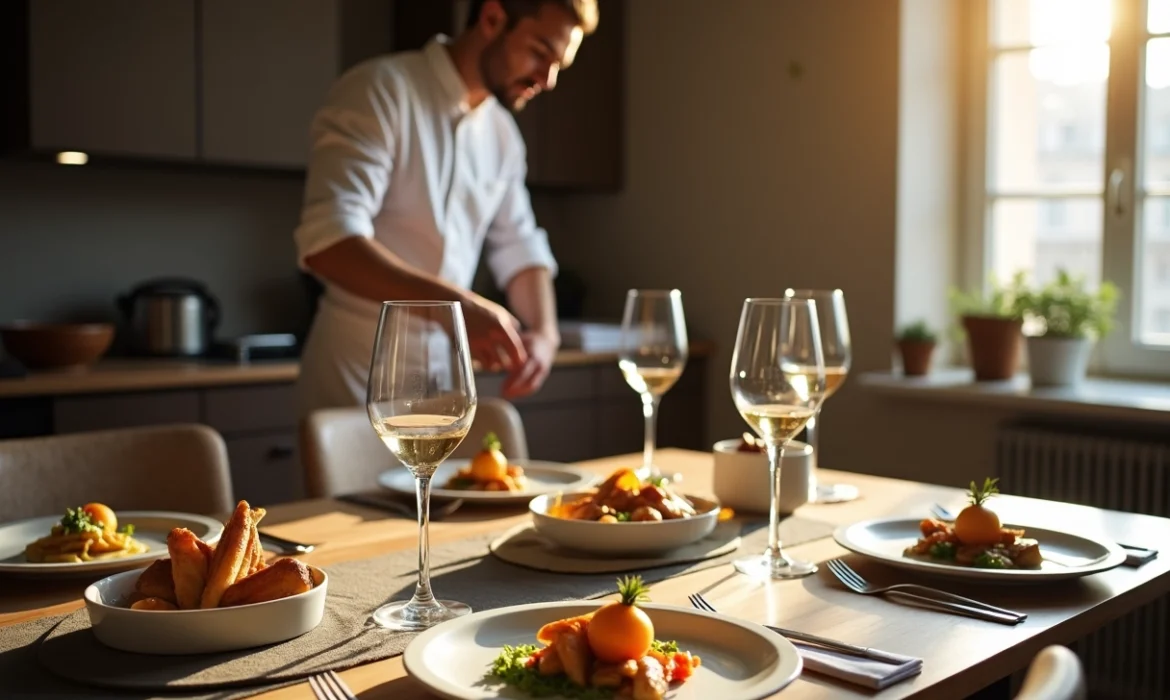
(56, 345)
(198, 631)
(740, 480)
(623, 538)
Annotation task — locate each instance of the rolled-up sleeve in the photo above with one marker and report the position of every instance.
(352, 155)
(514, 240)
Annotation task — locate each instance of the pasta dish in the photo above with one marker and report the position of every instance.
(85, 534)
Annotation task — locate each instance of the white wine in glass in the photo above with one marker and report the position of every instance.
(653, 353)
(421, 401)
(777, 384)
(838, 351)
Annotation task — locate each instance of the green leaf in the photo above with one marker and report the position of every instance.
(511, 668)
(77, 520)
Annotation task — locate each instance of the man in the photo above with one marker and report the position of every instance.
(416, 165)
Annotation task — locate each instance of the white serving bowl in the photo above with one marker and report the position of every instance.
(198, 631)
(741, 478)
(623, 538)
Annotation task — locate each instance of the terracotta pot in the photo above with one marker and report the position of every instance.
(994, 345)
(916, 355)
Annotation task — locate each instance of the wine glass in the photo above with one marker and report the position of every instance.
(653, 353)
(777, 383)
(421, 401)
(838, 358)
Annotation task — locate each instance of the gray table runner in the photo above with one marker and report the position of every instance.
(345, 637)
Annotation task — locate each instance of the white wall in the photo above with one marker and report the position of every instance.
(744, 180)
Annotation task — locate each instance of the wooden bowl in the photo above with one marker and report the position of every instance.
(56, 345)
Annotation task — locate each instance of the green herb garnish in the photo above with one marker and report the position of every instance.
(664, 647)
(462, 483)
(991, 560)
(127, 529)
(622, 517)
(511, 667)
(77, 521)
(942, 550)
(661, 482)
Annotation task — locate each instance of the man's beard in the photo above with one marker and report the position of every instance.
(498, 88)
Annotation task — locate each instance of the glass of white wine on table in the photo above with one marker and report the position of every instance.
(653, 354)
(777, 384)
(838, 351)
(421, 401)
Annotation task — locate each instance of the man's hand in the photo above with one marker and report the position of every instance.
(494, 335)
(528, 377)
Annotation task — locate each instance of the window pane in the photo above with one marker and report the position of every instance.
(1159, 19)
(1041, 236)
(1156, 144)
(1048, 118)
(1041, 22)
(1154, 258)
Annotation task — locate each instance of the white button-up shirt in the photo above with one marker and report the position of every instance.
(400, 156)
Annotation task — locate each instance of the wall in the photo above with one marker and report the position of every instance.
(73, 238)
(761, 154)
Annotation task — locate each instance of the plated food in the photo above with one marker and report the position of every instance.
(197, 575)
(611, 651)
(86, 533)
(489, 470)
(623, 497)
(539, 477)
(976, 538)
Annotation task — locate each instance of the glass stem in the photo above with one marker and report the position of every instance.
(650, 411)
(775, 455)
(810, 436)
(422, 590)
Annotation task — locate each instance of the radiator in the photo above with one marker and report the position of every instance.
(1128, 658)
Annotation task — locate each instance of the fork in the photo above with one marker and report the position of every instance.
(698, 601)
(925, 596)
(329, 686)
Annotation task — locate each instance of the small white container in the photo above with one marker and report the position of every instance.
(199, 631)
(741, 478)
(623, 539)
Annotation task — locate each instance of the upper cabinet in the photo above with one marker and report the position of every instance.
(574, 134)
(112, 77)
(266, 66)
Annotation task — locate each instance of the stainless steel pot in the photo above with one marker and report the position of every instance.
(171, 317)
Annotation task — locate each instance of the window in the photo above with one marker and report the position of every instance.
(1073, 161)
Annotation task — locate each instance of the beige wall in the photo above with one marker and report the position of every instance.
(743, 179)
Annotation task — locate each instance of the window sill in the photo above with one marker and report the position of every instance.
(1098, 396)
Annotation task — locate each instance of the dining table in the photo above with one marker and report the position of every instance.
(961, 656)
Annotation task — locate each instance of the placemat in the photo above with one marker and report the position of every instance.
(346, 637)
(524, 546)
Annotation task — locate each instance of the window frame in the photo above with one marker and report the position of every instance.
(1122, 352)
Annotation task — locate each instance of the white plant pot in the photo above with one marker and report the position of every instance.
(1058, 361)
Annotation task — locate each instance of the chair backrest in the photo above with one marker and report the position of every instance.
(170, 467)
(342, 454)
(1055, 674)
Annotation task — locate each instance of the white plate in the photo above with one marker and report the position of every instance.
(199, 631)
(739, 660)
(624, 539)
(151, 528)
(885, 539)
(543, 477)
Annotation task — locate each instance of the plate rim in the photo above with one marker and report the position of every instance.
(215, 530)
(1115, 557)
(584, 478)
(412, 655)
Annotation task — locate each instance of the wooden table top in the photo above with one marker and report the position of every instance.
(961, 655)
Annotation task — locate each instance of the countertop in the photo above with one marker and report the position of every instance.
(124, 374)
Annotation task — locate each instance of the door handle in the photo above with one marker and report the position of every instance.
(1116, 179)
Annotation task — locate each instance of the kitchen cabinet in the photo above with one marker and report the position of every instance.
(112, 77)
(574, 134)
(207, 81)
(266, 67)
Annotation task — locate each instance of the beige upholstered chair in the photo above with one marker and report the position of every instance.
(342, 454)
(171, 467)
(1055, 674)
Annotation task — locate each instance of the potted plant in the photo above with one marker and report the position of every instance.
(1068, 318)
(916, 344)
(993, 324)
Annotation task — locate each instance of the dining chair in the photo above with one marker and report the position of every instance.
(1055, 674)
(180, 467)
(343, 454)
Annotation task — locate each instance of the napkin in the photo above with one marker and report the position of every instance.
(858, 670)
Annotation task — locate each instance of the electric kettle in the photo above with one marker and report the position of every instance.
(170, 317)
